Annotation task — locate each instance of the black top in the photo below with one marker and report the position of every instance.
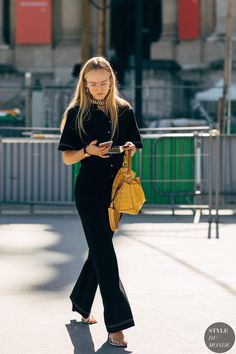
(98, 127)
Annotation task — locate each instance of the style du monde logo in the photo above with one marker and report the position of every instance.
(219, 337)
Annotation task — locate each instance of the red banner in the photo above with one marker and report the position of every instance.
(33, 22)
(189, 19)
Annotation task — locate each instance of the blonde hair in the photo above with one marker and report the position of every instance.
(82, 97)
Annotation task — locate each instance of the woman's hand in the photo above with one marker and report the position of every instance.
(129, 146)
(93, 149)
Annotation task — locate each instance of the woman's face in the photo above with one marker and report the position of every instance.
(98, 83)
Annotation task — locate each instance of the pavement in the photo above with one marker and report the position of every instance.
(177, 280)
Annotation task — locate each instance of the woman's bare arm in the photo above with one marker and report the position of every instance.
(70, 157)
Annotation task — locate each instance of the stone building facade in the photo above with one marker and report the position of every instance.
(57, 58)
(65, 49)
(199, 59)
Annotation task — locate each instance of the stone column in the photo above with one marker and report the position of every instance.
(70, 20)
(221, 14)
(208, 11)
(165, 48)
(170, 19)
(67, 50)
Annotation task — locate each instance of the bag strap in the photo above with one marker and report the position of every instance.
(127, 162)
(117, 190)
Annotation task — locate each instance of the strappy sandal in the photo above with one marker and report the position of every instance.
(88, 320)
(118, 341)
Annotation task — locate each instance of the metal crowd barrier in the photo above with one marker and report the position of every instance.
(181, 168)
(32, 172)
(192, 169)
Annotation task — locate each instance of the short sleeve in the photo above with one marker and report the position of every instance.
(70, 139)
(133, 132)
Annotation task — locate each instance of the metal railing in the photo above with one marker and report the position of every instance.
(32, 172)
(189, 169)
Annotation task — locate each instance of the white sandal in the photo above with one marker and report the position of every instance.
(116, 344)
(88, 320)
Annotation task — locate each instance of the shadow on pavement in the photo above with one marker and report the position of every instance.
(191, 267)
(69, 247)
(82, 341)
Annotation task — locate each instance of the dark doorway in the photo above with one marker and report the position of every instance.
(6, 21)
(123, 30)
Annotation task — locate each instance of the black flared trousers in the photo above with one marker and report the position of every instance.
(100, 268)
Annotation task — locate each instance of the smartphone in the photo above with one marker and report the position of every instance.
(115, 150)
(106, 144)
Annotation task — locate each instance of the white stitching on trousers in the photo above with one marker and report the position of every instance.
(120, 323)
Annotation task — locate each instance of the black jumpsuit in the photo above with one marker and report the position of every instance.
(92, 197)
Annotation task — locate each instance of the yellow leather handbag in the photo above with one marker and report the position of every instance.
(114, 218)
(127, 193)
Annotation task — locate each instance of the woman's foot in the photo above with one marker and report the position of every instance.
(117, 339)
(89, 320)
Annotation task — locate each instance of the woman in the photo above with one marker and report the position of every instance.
(95, 115)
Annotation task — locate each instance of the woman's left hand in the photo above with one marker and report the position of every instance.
(129, 146)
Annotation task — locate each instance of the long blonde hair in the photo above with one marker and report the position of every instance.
(82, 97)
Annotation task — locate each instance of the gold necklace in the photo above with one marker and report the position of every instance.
(99, 102)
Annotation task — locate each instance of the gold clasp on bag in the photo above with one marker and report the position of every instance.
(125, 163)
(128, 179)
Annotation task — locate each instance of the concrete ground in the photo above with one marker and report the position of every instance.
(178, 283)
